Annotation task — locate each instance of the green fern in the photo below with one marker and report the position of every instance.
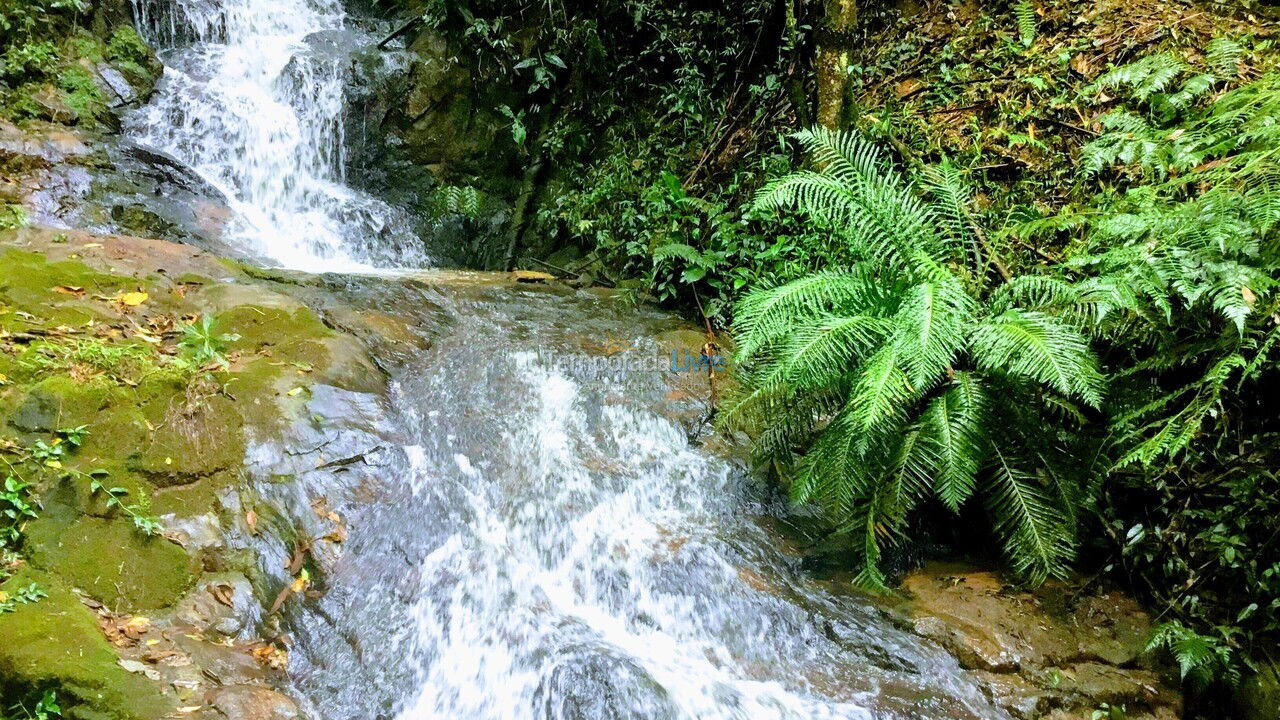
(1025, 14)
(879, 387)
(1201, 659)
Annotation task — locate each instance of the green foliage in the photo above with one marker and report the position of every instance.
(118, 363)
(204, 344)
(1201, 659)
(40, 706)
(1176, 261)
(126, 45)
(139, 512)
(1107, 711)
(12, 217)
(465, 201)
(16, 508)
(1025, 13)
(909, 375)
(1168, 88)
(44, 47)
(25, 595)
(24, 464)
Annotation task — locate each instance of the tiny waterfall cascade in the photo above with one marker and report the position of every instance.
(253, 100)
(551, 544)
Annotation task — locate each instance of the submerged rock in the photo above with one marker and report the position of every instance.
(253, 702)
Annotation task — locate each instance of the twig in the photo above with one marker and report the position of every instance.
(401, 31)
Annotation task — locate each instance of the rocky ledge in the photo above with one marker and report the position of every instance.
(149, 571)
(1058, 653)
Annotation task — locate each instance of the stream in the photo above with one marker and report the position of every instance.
(552, 533)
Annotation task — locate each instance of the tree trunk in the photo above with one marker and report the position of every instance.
(832, 63)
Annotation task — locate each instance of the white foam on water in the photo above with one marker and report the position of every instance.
(253, 100)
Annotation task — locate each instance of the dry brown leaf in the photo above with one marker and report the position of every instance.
(223, 593)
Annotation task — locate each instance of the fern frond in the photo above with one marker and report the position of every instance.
(1033, 531)
(953, 438)
(930, 329)
(1223, 56)
(1041, 348)
(1025, 13)
(764, 316)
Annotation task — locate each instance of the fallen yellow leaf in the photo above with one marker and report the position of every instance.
(133, 299)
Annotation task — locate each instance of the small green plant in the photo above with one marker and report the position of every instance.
(1201, 659)
(16, 508)
(127, 46)
(205, 344)
(458, 200)
(44, 707)
(139, 512)
(25, 595)
(1107, 711)
(65, 442)
(13, 217)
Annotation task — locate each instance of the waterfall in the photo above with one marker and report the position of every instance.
(253, 99)
(550, 544)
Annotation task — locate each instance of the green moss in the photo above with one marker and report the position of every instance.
(108, 559)
(28, 282)
(56, 643)
(190, 441)
(58, 402)
(85, 46)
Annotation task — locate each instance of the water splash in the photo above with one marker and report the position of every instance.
(253, 99)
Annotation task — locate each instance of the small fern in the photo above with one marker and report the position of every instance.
(1201, 659)
(459, 200)
(1025, 14)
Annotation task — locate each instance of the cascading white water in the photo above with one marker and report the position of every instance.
(253, 99)
(556, 547)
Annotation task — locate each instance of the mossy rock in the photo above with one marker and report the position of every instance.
(56, 643)
(30, 283)
(108, 559)
(1258, 698)
(58, 402)
(191, 440)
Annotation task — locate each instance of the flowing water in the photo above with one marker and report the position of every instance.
(549, 533)
(253, 99)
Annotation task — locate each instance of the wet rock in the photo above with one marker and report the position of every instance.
(421, 120)
(1258, 698)
(53, 107)
(1042, 654)
(40, 144)
(116, 86)
(224, 603)
(252, 702)
(531, 276)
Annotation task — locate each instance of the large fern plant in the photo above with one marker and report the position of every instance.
(910, 376)
(1177, 260)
